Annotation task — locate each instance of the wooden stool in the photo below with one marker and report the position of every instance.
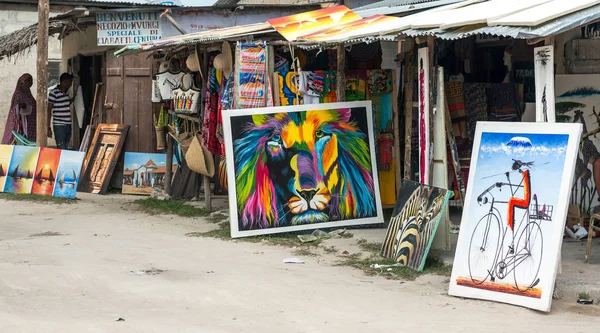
(591, 231)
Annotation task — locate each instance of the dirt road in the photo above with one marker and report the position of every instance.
(81, 267)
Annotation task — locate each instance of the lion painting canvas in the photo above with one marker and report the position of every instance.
(301, 167)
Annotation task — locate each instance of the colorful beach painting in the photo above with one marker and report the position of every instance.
(5, 156)
(21, 170)
(69, 171)
(45, 172)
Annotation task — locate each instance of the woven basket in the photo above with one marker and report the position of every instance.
(199, 159)
(161, 137)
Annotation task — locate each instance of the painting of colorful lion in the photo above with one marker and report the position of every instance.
(297, 168)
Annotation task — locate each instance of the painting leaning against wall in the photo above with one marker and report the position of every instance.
(301, 167)
(577, 100)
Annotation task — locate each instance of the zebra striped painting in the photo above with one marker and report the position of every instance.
(414, 222)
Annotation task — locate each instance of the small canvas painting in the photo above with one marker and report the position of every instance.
(301, 167)
(5, 156)
(45, 172)
(21, 170)
(144, 173)
(69, 170)
(513, 219)
(415, 219)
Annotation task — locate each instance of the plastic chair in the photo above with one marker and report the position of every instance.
(22, 141)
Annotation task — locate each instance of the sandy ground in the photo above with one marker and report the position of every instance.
(87, 277)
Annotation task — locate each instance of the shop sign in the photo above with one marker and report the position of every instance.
(119, 29)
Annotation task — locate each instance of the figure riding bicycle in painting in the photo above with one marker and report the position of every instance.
(496, 251)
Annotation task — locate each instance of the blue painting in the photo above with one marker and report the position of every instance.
(145, 172)
(69, 170)
(21, 170)
(514, 213)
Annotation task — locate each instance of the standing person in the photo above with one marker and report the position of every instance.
(59, 108)
(22, 114)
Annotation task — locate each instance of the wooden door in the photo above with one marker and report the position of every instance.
(128, 101)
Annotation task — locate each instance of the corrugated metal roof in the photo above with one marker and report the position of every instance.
(199, 37)
(400, 9)
(393, 3)
(554, 27)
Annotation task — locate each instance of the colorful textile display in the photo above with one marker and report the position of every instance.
(475, 106)
(251, 75)
(211, 110)
(379, 81)
(312, 85)
(456, 106)
(288, 92)
(356, 85)
(329, 88)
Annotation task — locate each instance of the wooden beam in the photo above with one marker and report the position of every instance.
(341, 74)
(167, 14)
(396, 121)
(408, 110)
(42, 74)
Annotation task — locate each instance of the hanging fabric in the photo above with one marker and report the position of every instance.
(211, 109)
(251, 79)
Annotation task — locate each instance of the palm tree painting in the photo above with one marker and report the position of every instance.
(577, 97)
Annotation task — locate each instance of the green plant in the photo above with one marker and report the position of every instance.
(174, 207)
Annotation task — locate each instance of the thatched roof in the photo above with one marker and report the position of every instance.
(20, 40)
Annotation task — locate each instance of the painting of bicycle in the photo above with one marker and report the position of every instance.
(514, 214)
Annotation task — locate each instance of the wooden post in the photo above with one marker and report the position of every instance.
(408, 109)
(341, 74)
(42, 74)
(396, 120)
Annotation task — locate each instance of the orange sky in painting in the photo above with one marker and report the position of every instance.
(506, 288)
(355, 27)
(48, 159)
(294, 26)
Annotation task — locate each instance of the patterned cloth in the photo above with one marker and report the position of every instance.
(252, 79)
(210, 120)
(456, 106)
(288, 94)
(25, 125)
(356, 86)
(475, 107)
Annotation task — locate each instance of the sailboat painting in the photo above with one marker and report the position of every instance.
(68, 174)
(20, 171)
(45, 172)
(5, 156)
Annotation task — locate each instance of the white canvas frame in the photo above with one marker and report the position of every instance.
(229, 114)
(559, 215)
(544, 80)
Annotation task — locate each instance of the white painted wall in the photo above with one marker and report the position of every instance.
(14, 17)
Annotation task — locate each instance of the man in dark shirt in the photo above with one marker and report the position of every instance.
(59, 108)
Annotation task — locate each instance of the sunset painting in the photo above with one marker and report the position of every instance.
(45, 172)
(294, 26)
